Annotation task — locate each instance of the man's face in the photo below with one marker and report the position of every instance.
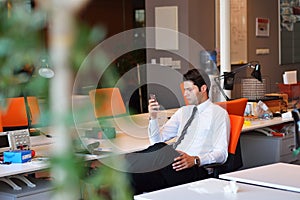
(191, 92)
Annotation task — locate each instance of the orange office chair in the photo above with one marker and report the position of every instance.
(1, 127)
(234, 107)
(234, 159)
(107, 102)
(14, 116)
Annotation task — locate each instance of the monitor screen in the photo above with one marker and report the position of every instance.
(4, 142)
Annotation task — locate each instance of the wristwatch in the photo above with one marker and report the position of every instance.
(197, 161)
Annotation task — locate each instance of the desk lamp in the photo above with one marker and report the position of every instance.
(229, 77)
(45, 71)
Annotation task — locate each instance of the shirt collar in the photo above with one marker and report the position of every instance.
(203, 105)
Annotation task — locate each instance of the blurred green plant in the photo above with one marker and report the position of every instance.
(20, 44)
(23, 41)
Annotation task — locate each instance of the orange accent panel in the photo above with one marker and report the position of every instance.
(14, 114)
(236, 125)
(107, 102)
(1, 127)
(234, 107)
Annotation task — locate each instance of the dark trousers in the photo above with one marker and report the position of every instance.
(151, 169)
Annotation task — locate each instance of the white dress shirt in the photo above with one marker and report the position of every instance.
(206, 137)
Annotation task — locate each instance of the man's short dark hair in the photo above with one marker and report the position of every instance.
(198, 77)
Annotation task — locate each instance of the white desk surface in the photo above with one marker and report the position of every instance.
(131, 136)
(22, 168)
(255, 124)
(279, 175)
(132, 131)
(213, 189)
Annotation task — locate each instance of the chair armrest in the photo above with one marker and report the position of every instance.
(213, 169)
(212, 165)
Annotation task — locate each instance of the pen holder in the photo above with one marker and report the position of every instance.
(101, 133)
(108, 132)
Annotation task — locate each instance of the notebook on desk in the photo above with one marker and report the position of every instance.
(41, 140)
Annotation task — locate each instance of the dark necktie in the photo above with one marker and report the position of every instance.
(186, 126)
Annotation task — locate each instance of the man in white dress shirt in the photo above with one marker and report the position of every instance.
(203, 141)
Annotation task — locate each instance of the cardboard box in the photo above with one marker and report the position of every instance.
(277, 105)
(17, 156)
(292, 90)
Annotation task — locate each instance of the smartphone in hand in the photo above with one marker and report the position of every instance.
(153, 97)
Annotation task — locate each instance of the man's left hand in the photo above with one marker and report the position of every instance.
(183, 161)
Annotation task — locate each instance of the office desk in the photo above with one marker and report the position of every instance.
(258, 149)
(42, 189)
(22, 168)
(132, 131)
(131, 136)
(257, 123)
(279, 175)
(213, 189)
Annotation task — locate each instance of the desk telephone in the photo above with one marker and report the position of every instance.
(15, 140)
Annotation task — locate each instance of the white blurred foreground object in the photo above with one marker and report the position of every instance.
(290, 77)
(231, 187)
(61, 37)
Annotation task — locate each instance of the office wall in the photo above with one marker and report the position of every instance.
(196, 20)
(270, 62)
(182, 27)
(114, 16)
(202, 29)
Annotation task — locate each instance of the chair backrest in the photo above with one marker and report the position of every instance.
(107, 102)
(234, 160)
(234, 107)
(15, 115)
(236, 125)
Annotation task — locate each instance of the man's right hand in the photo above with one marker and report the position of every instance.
(153, 108)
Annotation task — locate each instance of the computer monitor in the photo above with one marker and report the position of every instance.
(4, 142)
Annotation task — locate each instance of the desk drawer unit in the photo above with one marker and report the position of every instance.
(258, 149)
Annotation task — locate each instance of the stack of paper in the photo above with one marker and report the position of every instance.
(290, 77)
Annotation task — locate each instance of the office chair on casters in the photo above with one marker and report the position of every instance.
(234, 159)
